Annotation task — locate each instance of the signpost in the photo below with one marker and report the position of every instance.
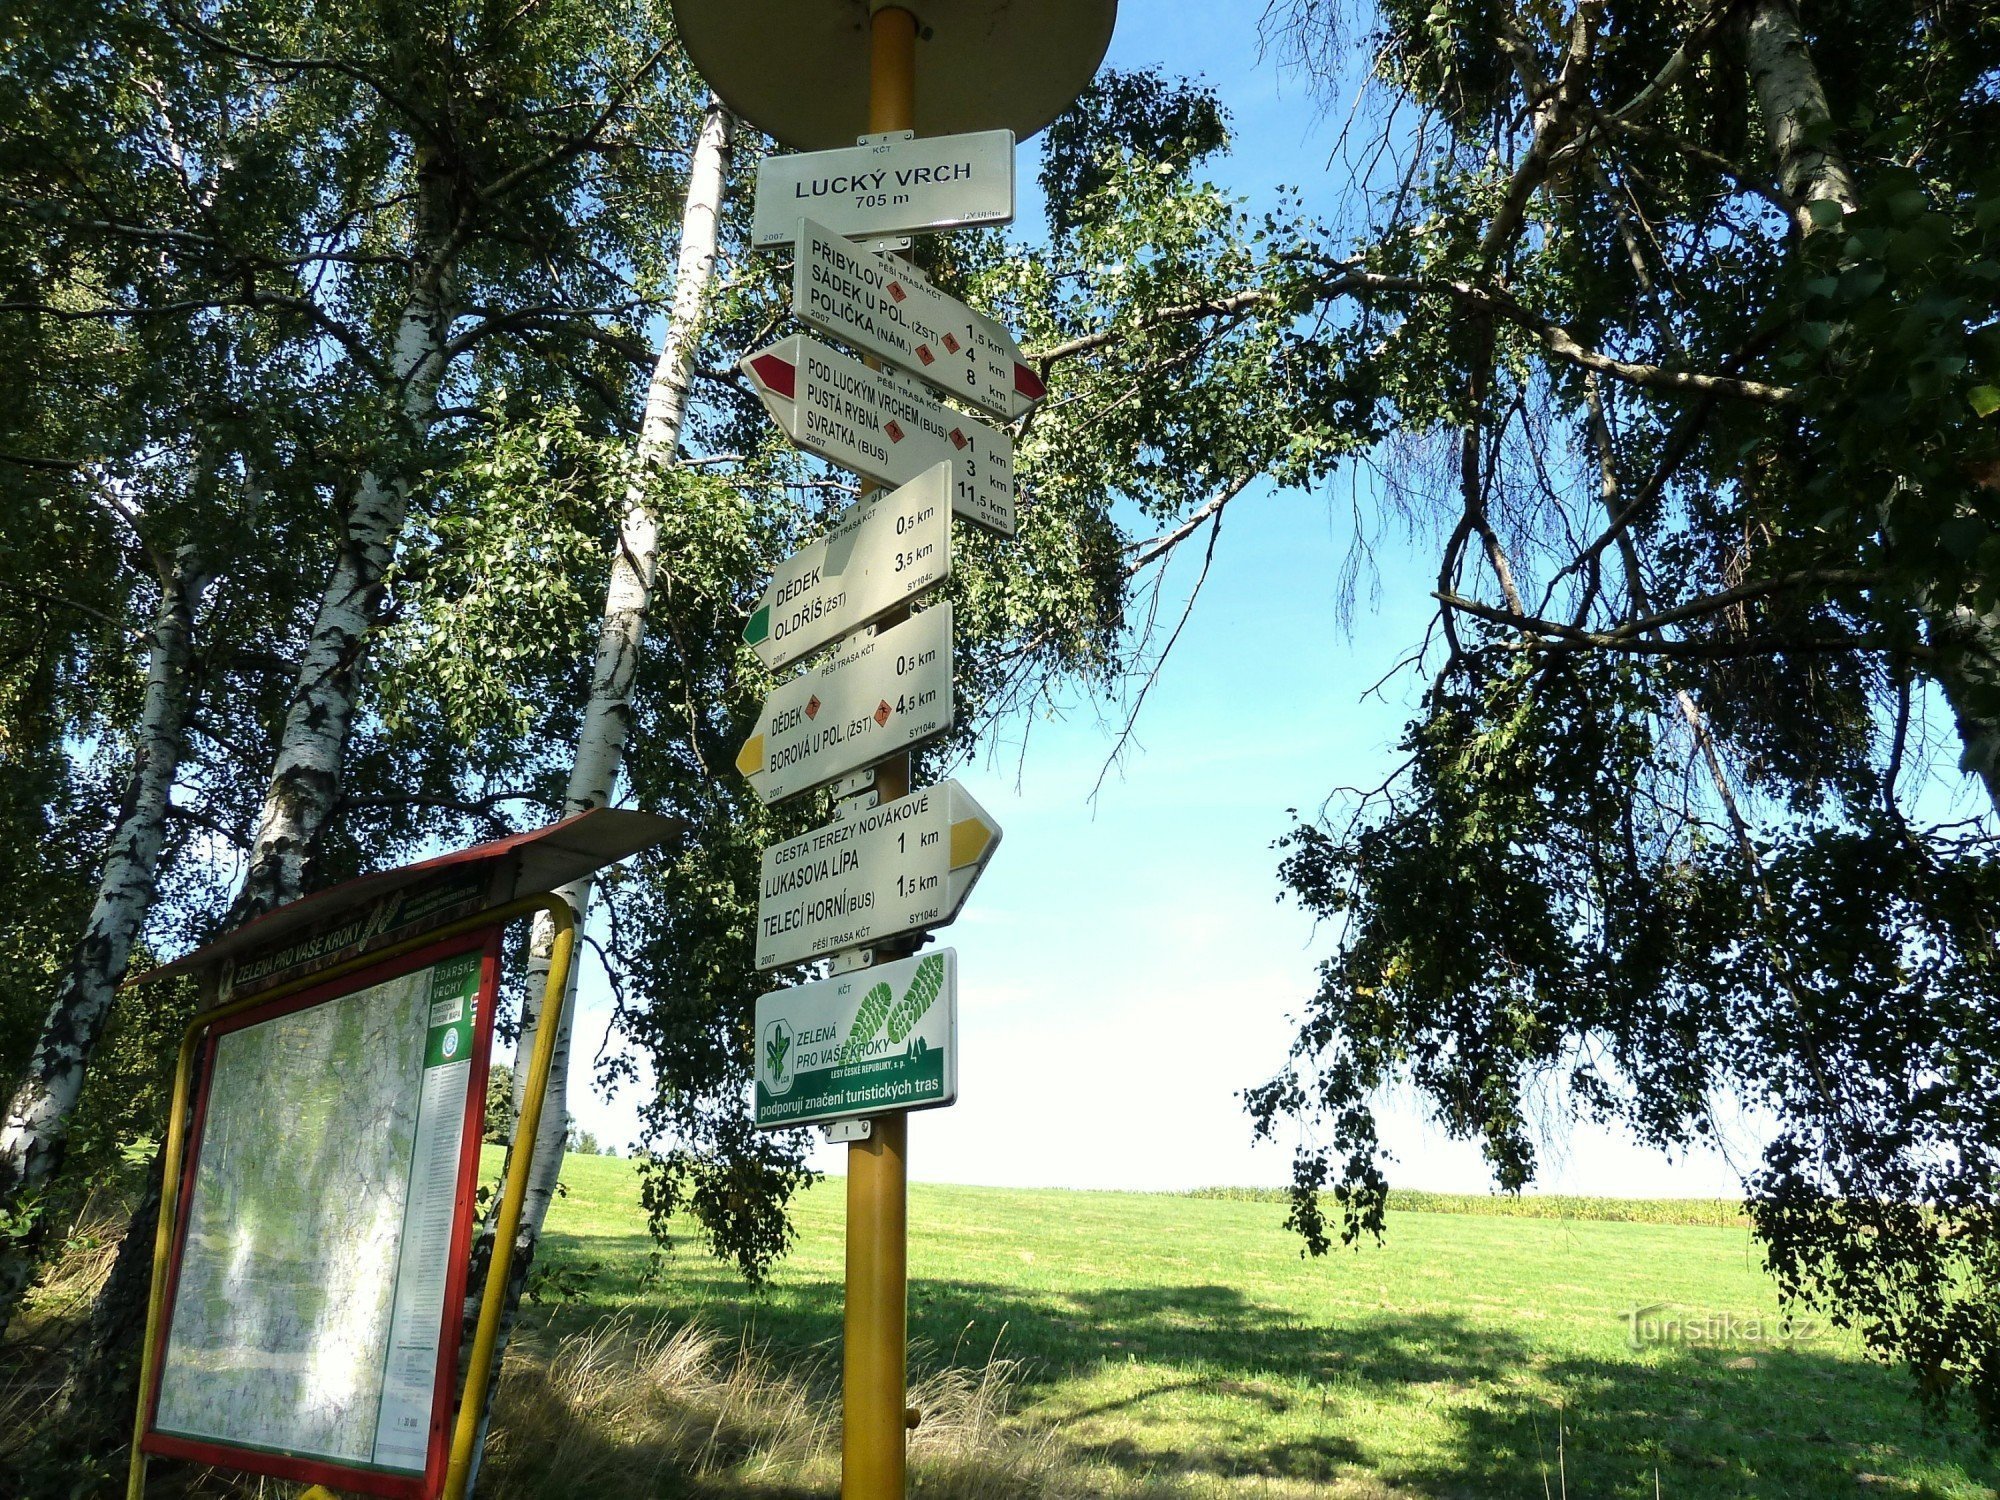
(886, 307)
(859, 1043)
(875, 696)
(883, 426)
(888, 187)
(905, 866)
(886, 550)
(895, 862)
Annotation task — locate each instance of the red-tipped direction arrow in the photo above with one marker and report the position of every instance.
(886, 308)
(883, 426)
(780, 375)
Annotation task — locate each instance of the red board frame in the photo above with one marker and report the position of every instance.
(280, 1465)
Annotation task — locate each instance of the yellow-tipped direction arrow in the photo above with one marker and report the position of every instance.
(905, 866)
(969, 838)
(875, 695)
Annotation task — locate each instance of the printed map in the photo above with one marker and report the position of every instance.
(322, 1204)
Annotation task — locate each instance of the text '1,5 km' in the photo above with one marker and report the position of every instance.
(905, 866)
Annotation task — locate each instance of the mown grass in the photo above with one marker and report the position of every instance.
(1718, 1213)
(1172, 1345)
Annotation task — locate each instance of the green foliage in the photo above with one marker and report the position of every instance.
(1713, 1213)
(498, 1122)
(1143, 116)
(1673, 831)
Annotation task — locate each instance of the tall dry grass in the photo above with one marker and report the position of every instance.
(619, 1412)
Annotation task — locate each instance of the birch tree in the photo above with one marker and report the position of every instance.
(1680, 323)
(42, 1102)
(634, 570)
(402, 213)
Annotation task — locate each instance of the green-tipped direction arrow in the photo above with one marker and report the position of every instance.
(885, 550)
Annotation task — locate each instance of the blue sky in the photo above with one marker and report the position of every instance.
(1126, 964)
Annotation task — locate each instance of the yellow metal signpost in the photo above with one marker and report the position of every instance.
(789, 67)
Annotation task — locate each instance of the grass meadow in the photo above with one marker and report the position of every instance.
(1125, 1344)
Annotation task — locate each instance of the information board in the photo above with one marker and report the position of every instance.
(319, 1256)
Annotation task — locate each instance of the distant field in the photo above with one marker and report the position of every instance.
(1718, 1213)
(1175, 1345)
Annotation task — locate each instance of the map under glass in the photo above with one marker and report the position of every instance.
(307, 1315)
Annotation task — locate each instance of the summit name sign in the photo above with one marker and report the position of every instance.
(888, 187)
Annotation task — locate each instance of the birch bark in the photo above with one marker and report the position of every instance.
(1797, 122)
(305, 774)
(37, 1121)
(600, 749)
(1792, 103)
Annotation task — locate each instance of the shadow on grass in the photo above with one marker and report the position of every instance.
(1225, 1386)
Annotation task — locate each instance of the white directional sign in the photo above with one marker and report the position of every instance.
(883, 426)
(859, 1043)
(875, 696)
(885, 550)
(884, 307)
(888, 187)
(905, 866)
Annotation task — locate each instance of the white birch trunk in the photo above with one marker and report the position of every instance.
(305, 774)
(37, 1121)
(1969, 674)
(600, 748)
(1792, 103)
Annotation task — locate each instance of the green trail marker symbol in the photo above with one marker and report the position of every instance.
(859, 1043)
(885, 550)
